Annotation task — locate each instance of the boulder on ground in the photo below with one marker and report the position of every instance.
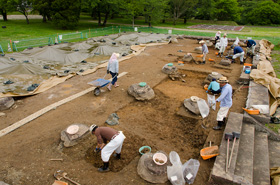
(174, 40)
(113, 119)
(209, 43)
(188, 58)
(169, 69)
(191, 106)
(225, 62)
(71, 139)
(6, 103)
(213, 75)
(198, 50)
(141, 93)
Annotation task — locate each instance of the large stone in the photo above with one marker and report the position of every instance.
(198, 50)
(169, 69)
(191, 106)
(225, 62)
(213, 75)
(6, 103)
(73, 139)
(141, 93)
(188, 58)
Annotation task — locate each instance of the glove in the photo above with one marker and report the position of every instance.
(206, 91)
(108, 71)
(97, 150)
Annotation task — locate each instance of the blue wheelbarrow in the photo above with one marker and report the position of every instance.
(99, 83)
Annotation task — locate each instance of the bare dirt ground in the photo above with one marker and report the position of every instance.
(161, 123)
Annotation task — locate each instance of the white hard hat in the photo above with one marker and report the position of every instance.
(92, 127)
(201, 42)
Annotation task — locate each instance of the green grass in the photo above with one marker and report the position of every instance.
(273, 127)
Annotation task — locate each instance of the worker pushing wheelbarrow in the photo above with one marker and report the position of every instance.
(99, 83)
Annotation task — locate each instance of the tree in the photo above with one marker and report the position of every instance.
(178, 8)
(66, 13)
(227, 10)
(5, 6)
(23, 6)
(131, 8)
(44, 7)
(205, 9)
(153, 10)
(265, 13)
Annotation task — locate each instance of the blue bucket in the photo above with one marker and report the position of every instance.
(144, 147)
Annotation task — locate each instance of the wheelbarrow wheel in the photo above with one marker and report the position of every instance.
(96, 91)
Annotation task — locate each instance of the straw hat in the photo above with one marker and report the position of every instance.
(225, 34)
(223, 79)
(219, 32)
(201, 42)
(117, 55)
(194, 98)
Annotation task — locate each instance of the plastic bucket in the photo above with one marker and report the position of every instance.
(141, 150)
(209, 152)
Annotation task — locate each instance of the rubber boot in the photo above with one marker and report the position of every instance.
(104, 168)
(118, 156)
(203, 62)
(222, 55)
(218, 54)
(219, 126)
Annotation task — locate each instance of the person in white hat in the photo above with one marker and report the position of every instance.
(204, 50)
(223, 45)
(217, 37)
(113, 69)
(115, 139)
(226, 102)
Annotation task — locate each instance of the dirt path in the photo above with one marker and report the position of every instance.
(26, 152)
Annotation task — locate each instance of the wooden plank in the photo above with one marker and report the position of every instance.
(47, 109)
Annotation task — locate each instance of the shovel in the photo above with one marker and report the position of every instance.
(228, 137)
(236, 135)
(61, 174)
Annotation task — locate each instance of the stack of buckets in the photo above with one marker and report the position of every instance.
(247, 68)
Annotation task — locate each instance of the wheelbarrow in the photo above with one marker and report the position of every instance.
(99, 83)
(209, 152)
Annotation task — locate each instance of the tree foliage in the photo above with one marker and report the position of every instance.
(227, 10)
(265, 13)
(66, 13)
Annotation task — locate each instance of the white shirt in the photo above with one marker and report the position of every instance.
(223, 41)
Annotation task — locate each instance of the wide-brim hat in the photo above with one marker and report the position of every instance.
(117, 55)
(219, 32)
(194, 98)
(223, 79)
(202, 42)
(225, 34)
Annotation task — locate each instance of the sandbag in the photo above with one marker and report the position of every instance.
(225, 62)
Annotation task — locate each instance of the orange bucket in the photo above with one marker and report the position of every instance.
(209, 152)
(180, 62)
(210, 59)
(200, 56)
(246, 64)
(255, 111)
(216, 53)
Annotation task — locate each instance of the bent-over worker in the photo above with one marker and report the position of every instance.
(251, 44)
(226, 102)
(214, 87)
(115, 139)
(238, 52)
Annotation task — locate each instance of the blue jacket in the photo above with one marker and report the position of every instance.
(237, 49)
(250, 43)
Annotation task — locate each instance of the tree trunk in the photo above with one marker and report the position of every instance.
(185, 20)
(49, 18)
(99, 15)
(133, 21)
(150, 24)
(163, 20)
(26, 17)
(106, 18)
(44, 18)
(4, 14)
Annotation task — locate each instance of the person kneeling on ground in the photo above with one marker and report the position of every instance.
(204, 50)
(214, 87)
(115, 138)
(226, 102)
(238, 52)
(217, 37)
(251, 44)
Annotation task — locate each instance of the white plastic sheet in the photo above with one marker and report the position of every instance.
(203, 108)
(190, 169)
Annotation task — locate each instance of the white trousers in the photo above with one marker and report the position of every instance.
(241, 55)
(251, 49)
(113, 145)
(222, 113)
(222, 49)
(204, 56)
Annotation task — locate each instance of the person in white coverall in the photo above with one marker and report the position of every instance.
(223, 44)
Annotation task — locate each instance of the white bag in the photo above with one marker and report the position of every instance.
(211, 101)
(203, 108)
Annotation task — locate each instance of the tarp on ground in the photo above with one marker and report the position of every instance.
(81, 46)
(265, 75)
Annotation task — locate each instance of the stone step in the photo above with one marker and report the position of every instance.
(274, 153)
(245, 158)
(261, 160)
(219, 174)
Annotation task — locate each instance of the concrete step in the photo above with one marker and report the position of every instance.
(219, 174)
(245, 158)
(274, 151)
(261, 160)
